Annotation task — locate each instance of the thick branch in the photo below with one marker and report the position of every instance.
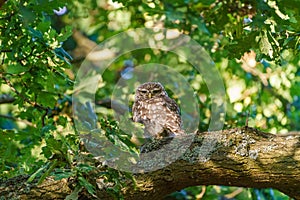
(237, 157)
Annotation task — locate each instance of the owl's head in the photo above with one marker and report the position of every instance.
(150, 90)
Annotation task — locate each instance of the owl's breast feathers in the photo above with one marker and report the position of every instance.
(162, 112)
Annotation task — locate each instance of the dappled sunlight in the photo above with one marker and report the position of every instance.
(70, 69)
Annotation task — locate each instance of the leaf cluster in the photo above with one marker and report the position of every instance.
(254, 45)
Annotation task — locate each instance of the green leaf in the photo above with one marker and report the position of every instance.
(46, 152)
(16, 69)
(36, 33)
(85, 168)
(88, 186)
(60, 174)
(38, 172)
(44, 26)
(46, 99)
(66, 32)
(74, 194)
(265, 45)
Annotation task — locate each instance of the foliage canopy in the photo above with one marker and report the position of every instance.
(254, 45)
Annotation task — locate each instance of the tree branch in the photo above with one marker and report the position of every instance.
(17, 119)
(34, 104)
(242, 157)
(5, 98)
(116, 106)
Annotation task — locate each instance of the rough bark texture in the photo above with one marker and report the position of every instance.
(237, 157)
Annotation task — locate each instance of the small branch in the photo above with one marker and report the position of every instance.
(234, 193)
(17, 119)
(249, 65)
(84, 45)
(255, 72)
(34, 104)
(116, 106)
(200, 196)
(5, 98)
(5, 50)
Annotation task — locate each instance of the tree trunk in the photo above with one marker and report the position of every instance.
(241, 157)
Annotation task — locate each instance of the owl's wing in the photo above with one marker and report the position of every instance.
(172, 105)
(134, 111)
(174, 124)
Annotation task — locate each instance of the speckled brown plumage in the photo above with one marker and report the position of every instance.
(156, 110)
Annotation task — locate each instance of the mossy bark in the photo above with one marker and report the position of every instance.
(242, 157)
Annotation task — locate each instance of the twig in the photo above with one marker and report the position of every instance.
(17, 119)
(116, 106)
(247, 119)
(200, 196)
(5, 50)
(234, 193)
(5, 98)
(34, 104)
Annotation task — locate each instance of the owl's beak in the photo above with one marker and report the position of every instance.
(149, 95)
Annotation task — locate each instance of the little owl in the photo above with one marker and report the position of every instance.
(156, 110)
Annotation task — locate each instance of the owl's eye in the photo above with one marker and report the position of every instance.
(156, 91)
(143, 91)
